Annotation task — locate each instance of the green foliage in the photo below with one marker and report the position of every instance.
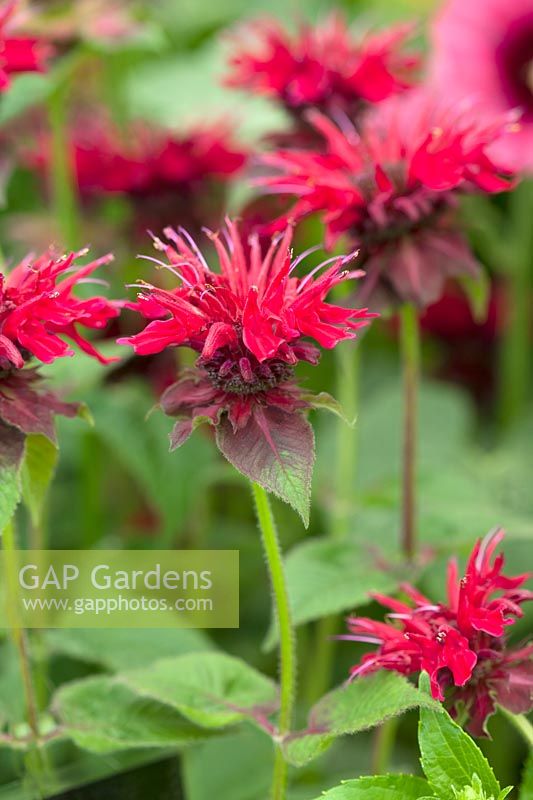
(170, 482)
(119, 649)
(165, 704)
(526, 789)
(38, 468)
(450, 758)
(381, 787)
(326, 576)
(11, 455)
(103, 715)
(236, 766)
(185, 90)
(213, 690)
(360, 705)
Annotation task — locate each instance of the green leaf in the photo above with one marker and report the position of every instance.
(325, 402)
(103, 715)
(25, 91)
(526, 789)
(275, 450)
(325, 577)
(40, 458)
(362, 704)
(477, 291)
(11, 454)
(121, 649)
(380, 787)
(212, 690)
(170, 482)
(201, 98)
(475, 791)
(450, 758)
(12, 709)
(221, 767)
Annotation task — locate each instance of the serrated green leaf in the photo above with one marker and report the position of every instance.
(526, 789)
(103, 715)
(38, 467)
(326, 576)
(212, 690)
(380, 787)
(450, 758)
(360, 705)
(275, 450)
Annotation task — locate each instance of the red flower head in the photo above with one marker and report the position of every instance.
(166, 176)
(391, 188)
(38, 310)
(18, 53)
(460, 643)
(249, 324)
(323, 67)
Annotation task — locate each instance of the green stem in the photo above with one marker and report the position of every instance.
(383, 745)
(64, 189)
(515, 350)
(17, 631)
(347, 383)
(274, 559)
(347, 392)
(520, 724)
(410, 349)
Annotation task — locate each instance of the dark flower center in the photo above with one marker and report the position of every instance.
(244, 374)
(514, 58)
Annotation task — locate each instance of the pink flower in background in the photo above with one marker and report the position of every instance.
(392, 184)
(325, 66)
(483, 50)
(18, 53)
(461, 643)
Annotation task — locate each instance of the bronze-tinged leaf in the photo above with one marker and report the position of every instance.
(11, 447)
(276, 450)
(24, 406)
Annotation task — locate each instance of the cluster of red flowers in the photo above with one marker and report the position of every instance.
(18, 53)
(460, 643)
(391, 185)
(324, 67)
(167, 177)
(247, 322)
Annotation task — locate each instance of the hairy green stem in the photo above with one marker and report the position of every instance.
(17, 631)
(274, 559)
(521, 724)
(410, 349)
